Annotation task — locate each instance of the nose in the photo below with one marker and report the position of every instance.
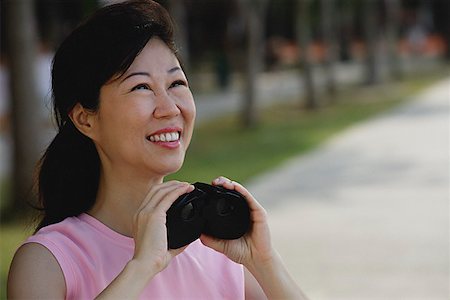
(165, 106)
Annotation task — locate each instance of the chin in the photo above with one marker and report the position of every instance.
(171, 171)
(171, 168)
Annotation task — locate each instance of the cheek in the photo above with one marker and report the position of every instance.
(189, 113)
(188, 106)
(123, 123)
(192, 111)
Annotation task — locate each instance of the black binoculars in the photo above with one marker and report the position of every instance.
(208, 209)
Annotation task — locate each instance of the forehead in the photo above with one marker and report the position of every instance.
(156, 56)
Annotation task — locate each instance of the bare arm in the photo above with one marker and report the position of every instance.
(254, 250)
(275, 280)
(253, 290)
(34, 268)
(32, 271)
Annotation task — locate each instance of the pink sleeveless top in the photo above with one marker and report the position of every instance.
(91, 255)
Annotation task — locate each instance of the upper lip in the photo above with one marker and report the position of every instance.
(167, 129)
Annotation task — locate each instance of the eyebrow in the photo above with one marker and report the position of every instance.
(135, 74)
(172, 70)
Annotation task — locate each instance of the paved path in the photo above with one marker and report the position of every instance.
(367, 215)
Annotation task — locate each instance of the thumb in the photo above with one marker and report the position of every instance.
(212, 242)
(175, 252)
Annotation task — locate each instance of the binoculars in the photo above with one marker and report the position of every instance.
(208, 209)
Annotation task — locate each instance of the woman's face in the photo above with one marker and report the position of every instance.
(146, 117)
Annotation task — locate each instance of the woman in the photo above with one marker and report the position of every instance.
(125, 115)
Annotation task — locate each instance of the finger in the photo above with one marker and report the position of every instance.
(175, 252)
(157, 193)
(163, 199)
(155, 211)
(233, 185)
(153, 190)
(223, 181)
(213, 243)
(252, 202)
(172, 195)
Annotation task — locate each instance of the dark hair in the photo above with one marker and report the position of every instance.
(100, 49)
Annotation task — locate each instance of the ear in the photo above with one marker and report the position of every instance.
(83, 119)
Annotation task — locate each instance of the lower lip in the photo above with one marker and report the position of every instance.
(168, 145)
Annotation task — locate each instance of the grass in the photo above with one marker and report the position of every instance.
(222, 147)
(11, 236)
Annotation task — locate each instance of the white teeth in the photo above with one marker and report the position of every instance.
(165, 137)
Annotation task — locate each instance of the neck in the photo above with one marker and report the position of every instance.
(118, 199)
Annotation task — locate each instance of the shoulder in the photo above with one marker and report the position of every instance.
(66, 238)
(45, 259)
(62, 239)
(32, 271)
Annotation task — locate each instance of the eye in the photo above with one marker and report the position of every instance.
(177, 83)
(141, 86)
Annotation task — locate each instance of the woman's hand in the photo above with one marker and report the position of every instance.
(151, 254)
(149, 226)
(255, 246)
(254, 250)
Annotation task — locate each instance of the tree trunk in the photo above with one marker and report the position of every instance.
(178, 11)
(392, 30)
(303, 39)
(26, 122)
(370, 13)
(329, 33)
(255, 12)
(344, 19)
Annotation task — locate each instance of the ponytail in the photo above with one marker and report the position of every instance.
(100, 49)
(68, 176)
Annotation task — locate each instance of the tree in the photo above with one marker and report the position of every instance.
(370, 12)
(441, 19)
(255, 14)
(344, 15)
(178, 11)
(328, 25)
(303, 40)
(21, 56)
(392, 30)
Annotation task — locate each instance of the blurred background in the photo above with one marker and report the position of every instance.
(272, 79)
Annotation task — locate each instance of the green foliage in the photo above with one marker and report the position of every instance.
(12, 236)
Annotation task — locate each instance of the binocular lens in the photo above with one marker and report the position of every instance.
(208, 209)
(224, 207)
(188, 212)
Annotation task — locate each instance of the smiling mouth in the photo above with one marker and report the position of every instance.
(165, 137)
